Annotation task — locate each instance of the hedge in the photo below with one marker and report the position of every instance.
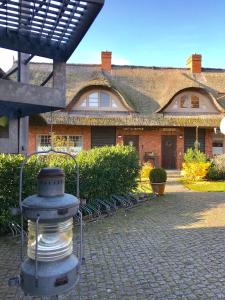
(103, 171)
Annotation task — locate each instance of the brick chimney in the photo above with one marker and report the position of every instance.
(106, 57)
(194, 62)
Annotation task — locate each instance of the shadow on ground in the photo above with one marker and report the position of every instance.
(168, 248)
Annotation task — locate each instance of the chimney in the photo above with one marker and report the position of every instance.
(194, 62)
(106, 60)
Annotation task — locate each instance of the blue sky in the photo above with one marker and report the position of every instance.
(157, 33)
(152, 33)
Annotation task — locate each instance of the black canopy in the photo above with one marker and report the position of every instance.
(48, 28)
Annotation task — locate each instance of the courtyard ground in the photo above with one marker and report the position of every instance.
(172, 247)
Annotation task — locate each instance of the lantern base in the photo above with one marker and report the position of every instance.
(53, 278)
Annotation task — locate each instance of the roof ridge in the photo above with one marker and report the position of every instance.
(131, 66)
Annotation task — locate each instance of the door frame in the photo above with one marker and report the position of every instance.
(174, 137)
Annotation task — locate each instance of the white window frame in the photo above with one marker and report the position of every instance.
(113, 101)
(66, 148)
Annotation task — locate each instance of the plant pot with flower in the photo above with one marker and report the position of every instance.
(158, 177)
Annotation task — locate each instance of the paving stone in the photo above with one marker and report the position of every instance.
(168, 248)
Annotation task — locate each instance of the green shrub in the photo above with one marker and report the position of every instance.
(193, 155)
(217, 168)
(214, 174)
(157, 175)
(103, 171)
(108, 170)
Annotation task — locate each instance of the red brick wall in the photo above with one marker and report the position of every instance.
(150, 141)
(60, 130)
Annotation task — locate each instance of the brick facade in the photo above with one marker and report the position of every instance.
(59, 130)
(149, 139)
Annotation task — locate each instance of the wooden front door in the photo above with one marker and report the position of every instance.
(169, 152)
(132, 140)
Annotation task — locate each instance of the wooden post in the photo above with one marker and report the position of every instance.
(196, 139)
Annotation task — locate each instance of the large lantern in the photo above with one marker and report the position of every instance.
(51, 267)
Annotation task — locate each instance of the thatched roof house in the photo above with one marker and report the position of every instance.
(146, 98)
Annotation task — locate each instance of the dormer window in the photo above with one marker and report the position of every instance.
(194, 101)
(183, 101)
(103, 100)
(100, 99)
(191, 101)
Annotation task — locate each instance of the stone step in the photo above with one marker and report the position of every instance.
(173, 173)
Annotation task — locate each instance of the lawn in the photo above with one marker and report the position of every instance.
(206, 186)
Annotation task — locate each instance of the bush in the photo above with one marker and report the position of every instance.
(157, 175)
(108, 170)
(195, 166)
(217, 168)
(103, 171)
(9, 182)
(193, 171)
(145, 170)
(214, 174)
(193, 155)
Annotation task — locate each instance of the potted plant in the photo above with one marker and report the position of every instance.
(158, 177)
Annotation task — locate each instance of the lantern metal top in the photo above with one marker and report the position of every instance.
(50, 172)
(50, 204)
(46, 28)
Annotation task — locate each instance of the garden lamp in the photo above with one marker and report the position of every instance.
(51, 267)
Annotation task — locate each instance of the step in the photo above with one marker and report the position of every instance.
(173, 173)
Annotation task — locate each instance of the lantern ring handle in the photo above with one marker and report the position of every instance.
(46, 152)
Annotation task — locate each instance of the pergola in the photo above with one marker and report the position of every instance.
(47, 28)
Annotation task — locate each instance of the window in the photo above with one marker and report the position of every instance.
(217, 142)
(194, 101)
(183, 101)
(43, 142)
(93, 100)
(187, 101)
(83, 103)
(69, 143)
(104, 99)
(100, 100)
(75, 143)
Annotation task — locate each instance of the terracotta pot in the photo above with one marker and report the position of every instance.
(158, 188)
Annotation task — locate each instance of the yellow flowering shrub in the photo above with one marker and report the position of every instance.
(195, 171)
(145, 170)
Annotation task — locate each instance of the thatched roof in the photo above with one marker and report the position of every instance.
(145, 89)
(132, 120)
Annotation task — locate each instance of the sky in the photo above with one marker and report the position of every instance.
(152, 33)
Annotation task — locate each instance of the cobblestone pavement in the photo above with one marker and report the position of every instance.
(172, 247)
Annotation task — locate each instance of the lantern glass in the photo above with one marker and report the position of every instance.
(54, 240)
